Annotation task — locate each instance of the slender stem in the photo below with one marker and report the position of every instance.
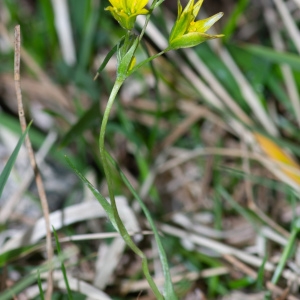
(148, 60)
(162, 254)
(114, 92)
(37, 174)
(286, 252)
(147, 19)
(120, 226)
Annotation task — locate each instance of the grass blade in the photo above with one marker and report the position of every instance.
(62, 266)
(102, 200)
(11, 161)
(274, 56)
(40, 286)
(169, 290)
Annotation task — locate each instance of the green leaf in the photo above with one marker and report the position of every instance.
(83, 123)
(241, 283)
(169, 290)
(108, 56)
(109, 210)
(13, 125)
(40, 286)
(124, 64)
(256, 68)
(261, 275)
(10, 293)
(232, 21)
(62, 266)
(102, 200)
(88, 35)
(241, 210)
(220, 70)
(11, 161)
(29, 279)
(274, 56)
(286, 252)
(11, 255)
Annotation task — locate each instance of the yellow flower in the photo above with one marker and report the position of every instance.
(126, 11)
(188, 33)
(278, 155)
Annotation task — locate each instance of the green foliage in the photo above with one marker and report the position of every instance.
(11, 161)
(62, 266)
(98, 39)
(232, 20)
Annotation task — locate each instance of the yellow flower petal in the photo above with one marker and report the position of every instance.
(277, 154)
(126, 11)
(188, 33)
(116, 4)
(136, 5)
(204, 25)
(197, 7)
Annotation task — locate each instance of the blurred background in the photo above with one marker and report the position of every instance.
(187, 131)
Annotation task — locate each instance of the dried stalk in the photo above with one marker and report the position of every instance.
(37, 175)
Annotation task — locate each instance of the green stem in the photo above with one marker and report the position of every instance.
(120, 226)
(286, 252)
(147, 19)
(106, 169)
(148, 60)
(169, 291)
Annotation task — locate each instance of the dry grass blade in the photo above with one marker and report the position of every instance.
(99, 236)
(182, 128)
(278, 44)
(283, 294)
(217, 246)
(135, 286)
(289, 23)
(75, 285)
(107, 262)
(240, 266)
(58, 219)
(216, 86)
(64, 30)
(249, 94)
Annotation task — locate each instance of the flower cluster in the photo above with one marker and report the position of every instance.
(126, 11)
(185, 33)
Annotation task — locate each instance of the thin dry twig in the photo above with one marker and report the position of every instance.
(277, 290)
(240, 266)
(216, 246)
(182, 128)
(270, 164)
(33, 163)
(248, 92)
(288, 22)
(43, 78)
(129, 286)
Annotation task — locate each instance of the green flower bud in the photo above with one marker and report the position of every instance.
(188, 33)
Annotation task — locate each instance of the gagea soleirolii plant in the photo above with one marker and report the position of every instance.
(186, 32)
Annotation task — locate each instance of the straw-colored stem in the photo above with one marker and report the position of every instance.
(37, 174)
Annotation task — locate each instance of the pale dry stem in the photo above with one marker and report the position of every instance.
(38, 178)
